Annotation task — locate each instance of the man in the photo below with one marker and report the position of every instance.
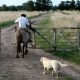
(24, 24)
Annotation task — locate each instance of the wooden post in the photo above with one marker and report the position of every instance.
(54, 32)
(34, 40)
(0, 40)
(78, 32)
(33, 44)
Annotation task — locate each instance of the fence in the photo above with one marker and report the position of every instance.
(61, 38)
(57, 38)
(0, 40)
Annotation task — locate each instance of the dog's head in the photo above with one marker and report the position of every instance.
(42, 58)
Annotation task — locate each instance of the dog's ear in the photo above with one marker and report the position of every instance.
(41, 59)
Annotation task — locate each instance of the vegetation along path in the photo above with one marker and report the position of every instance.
(29, 68)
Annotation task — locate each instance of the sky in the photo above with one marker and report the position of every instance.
(20, 2)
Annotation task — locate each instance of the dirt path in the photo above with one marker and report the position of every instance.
(30, 67)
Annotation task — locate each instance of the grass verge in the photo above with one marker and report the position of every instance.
(6, 24)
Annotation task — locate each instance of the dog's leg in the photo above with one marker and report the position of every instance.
(53, 74)
(44, 71)
(58, 74)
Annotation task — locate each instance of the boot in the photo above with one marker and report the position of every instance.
(30, 40)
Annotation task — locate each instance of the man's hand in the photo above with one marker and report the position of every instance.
(33, 29)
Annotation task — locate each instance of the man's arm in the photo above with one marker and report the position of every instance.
(17, 20)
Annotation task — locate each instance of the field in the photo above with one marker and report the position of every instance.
(65, 19)
(7, 18)
(7, 15)
(58, 19)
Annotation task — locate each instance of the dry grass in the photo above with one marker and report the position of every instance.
(65, 19)
(9, 15)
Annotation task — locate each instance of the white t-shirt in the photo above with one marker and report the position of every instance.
(23, 22)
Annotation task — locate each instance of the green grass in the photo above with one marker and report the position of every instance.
(6, 77)
(43, 28)
(6, 24)
(67, 78)
(68, 55)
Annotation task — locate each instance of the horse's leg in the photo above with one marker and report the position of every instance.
(23, 50)
(26, 51)
(17, 56)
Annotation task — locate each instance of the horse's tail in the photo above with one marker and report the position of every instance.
(18, 44)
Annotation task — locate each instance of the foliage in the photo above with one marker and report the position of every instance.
(77, 5)
(30, 6)
(12, 8)
(69, 5)
(43, 5)
(39, 5)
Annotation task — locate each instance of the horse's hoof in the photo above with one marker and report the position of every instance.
(21, 51)
(26, 52)
(22, 56)
(17, 57)
(53, 75)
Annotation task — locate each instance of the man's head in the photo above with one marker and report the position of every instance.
(23, 15)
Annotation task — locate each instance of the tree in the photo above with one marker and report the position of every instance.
(0, 8)
(61, 5)
(4, 7)
(38, 5)
(30, 6)
(19, 7)
(49, 5)
(72, 5)
(55, 8)
(67, 5)
(24, 6)
(43, 5)
(12, 8)
(78, 5)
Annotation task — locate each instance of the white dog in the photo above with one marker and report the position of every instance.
(53, 65)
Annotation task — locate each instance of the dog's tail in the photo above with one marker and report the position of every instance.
(63, 65)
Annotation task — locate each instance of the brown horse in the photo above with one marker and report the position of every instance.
(22, 36)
